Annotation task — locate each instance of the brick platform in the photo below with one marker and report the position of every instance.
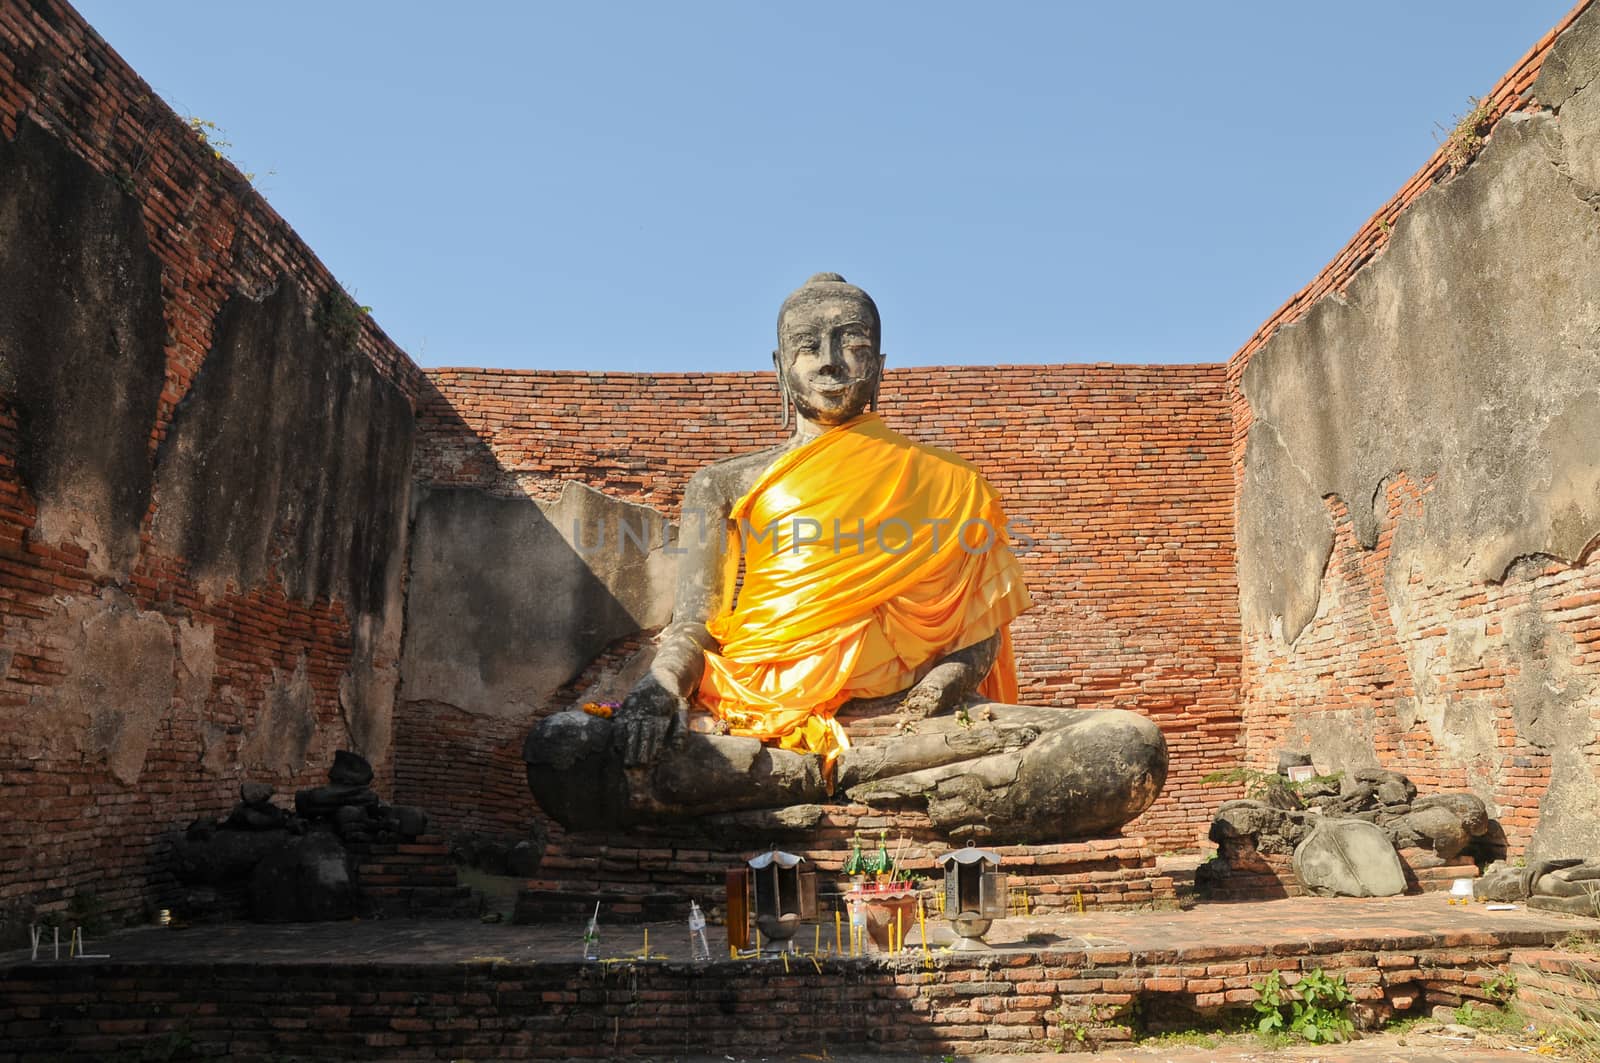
(640, 884)
(448, 990)
(1273, 876)
(415, 879)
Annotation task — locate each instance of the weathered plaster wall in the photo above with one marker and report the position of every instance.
(204, 474)
(511, 598)
(1119, 473)
(1419, 498)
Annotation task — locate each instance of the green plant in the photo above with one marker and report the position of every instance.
(1578, 941)
(1316, 1009)
(1466, 138)
(1184, 1039)
(1257, 784)
(211, 135)
(1569, 1022)
(339, 317)
(1502, 987)
(1077, 1031)
(1493, 1019)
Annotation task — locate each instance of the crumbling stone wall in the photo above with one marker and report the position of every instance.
(204, 469)
(1418, 452)
(1119, 474)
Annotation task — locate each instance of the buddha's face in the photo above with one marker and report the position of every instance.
(828, 356)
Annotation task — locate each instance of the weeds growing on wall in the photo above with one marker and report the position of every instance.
(1316, 1009)
(339, 317)
(1466, 138)
(1258, 784)
(1573, 1025)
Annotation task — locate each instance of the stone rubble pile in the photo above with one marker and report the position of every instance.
(281, 866)
(1344, 835)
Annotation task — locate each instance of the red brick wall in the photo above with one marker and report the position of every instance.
(1352, 657)
(67, 826)
(402, 1002)
(1120, 472)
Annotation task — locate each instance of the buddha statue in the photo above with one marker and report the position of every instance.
(847, 574)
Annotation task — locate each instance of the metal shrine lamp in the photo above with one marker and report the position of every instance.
(782, 897)
(974, 894)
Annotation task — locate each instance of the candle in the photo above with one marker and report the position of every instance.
(838, 936)
(733, 953)
(922, 925)
(758, 940)
(900, 928)
(816, 943)
(647, 943)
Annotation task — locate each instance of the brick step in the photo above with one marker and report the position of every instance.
(1555, 986)
(1425, 873)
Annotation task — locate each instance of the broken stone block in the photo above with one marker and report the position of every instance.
(349, 769)
(304, 880)
(410, 822)
(1265, 828)
(324, 802)
(255, 793)
(256, 817)
(215, 858)
(1389, 787)
(1349, 858)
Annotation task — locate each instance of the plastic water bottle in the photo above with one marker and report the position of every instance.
(591, 935)
(699, 948)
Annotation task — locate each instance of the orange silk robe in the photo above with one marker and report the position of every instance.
(871, 605)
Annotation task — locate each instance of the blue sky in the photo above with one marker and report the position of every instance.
(636, 186)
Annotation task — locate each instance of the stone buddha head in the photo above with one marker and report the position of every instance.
(829, 361)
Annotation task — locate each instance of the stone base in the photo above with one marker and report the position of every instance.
(640, 884)
(1271, 876)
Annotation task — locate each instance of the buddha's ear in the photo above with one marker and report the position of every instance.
(783, 389)
(872, 404)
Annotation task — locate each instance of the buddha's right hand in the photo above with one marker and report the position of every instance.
(648, 721)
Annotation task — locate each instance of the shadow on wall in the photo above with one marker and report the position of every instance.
(183, 597)
(503, 609)
(82, 346)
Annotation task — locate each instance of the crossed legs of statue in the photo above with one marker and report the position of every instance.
(1003, 774)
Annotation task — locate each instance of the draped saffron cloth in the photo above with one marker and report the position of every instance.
(867, 558)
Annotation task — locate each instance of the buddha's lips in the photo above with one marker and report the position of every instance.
(837, 387)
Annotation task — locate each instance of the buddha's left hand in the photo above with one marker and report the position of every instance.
(935, 694)
(953, 679)
(649, 721)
